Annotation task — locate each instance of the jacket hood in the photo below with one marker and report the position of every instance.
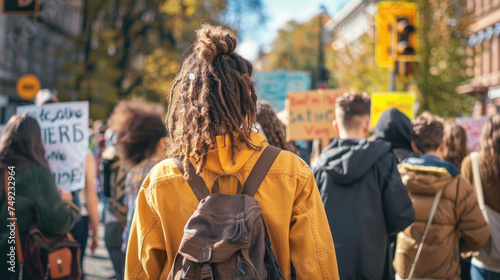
(427, 174)
(219, 160)
(347, 160)
(394, 127)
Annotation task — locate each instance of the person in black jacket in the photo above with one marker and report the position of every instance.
(362, 192)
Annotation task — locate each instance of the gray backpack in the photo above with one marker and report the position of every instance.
(226, 237)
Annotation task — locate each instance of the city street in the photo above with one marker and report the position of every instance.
(98, 265)
(230, 139)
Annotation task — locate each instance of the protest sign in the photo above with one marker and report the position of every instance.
(65, 134)
(272, 86)
(310, 114)
(381, 101)
(473, 128)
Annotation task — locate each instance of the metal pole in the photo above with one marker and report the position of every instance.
(319, 79)
(392, 80)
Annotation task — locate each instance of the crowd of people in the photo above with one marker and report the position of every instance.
(408, 201)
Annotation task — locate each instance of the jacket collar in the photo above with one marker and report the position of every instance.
(219, 159)
(432, 161)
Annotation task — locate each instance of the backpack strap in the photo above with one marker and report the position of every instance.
(476, 173)
(424, 236)
(260, 170)
(195, 181)
(478, 185)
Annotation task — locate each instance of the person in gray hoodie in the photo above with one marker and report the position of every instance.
(364, 198)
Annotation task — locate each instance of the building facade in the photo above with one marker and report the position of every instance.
(37, 46)
(350, 23)
(484, 47)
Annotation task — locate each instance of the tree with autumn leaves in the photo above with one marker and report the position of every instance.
(297, 47)
(135, 47)
(440, 69)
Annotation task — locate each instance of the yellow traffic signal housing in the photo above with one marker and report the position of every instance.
(397, 32)
(405, 70)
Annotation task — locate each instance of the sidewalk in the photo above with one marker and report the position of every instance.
(98, 265)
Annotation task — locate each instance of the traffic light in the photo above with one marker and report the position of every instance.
(406, 39)
(405, 69)
(397, 32)
(404, 29)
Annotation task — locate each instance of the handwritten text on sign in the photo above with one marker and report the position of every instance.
(473, 128)
(403, 101)
(310, 114)
(65, 134)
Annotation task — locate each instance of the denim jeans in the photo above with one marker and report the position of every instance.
(113, 241)
(477, 273)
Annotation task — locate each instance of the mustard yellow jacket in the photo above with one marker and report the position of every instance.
(289, 199)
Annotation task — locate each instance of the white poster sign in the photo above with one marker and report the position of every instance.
(65, 134)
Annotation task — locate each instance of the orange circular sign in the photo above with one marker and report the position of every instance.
(27, 86)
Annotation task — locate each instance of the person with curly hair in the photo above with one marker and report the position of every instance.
(272, 127)
(140, 144)
(211, 121)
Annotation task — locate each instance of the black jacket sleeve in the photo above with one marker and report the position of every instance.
(321, 182)
(398, 208)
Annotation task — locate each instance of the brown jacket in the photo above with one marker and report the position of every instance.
(491, 190)
(457, 215)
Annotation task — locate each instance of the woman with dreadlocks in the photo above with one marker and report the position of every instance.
(211, 123)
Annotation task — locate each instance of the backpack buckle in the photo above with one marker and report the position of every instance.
(204, 255)
(206, 272)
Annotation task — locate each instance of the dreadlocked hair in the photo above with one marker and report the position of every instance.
(273, 128)
(213, 94)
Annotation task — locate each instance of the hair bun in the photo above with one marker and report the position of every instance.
(213, 41)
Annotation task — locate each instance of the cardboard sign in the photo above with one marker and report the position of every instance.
(310, 114)
(65, 134)
(273, 86)
(403, 101)
(20, 7)
(473, 127)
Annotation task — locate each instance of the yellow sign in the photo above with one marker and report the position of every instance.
(310, 114)
(386, 21)
(403, 101)
(27, 86)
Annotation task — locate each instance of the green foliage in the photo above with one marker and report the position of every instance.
(440, 69)
(297, 47)
(355, 69)
(135, 47)
(443, 27)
